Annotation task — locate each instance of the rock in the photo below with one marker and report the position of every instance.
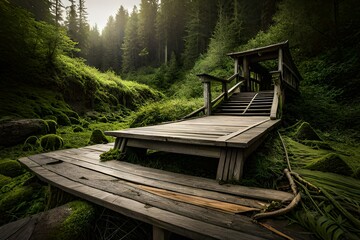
(51, 142)
(306, 132)
(30, 143)
(15, 132)
(10, 168)
(98, 137)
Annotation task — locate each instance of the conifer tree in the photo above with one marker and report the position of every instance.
(71, 21)
(57, 11)
(83, 28)
(131, 46)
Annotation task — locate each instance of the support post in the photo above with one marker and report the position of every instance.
(236, 71)
(246, 73)
(207, 97)
(225, 91)
(159, 233)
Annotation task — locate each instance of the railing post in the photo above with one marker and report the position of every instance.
(225, 91)
(246, 73)
(207, 96)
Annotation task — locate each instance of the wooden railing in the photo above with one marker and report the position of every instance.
(208, 102)
(276, 104)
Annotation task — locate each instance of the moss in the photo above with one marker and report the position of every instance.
(330, 163)
(51, 142)
(74, 120)
(78, 224)
(31, 140)
(306, 132)
(98, 137)
(112, 154)
(317, 144)
(63, 119)
(78, 129)
(4, 180)
(52, 126)
(14, 197)
(103, 119)
(10, 168)
(356, 174)
(50, 117)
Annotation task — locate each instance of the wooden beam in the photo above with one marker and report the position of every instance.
(207, 97)
(159, 233)
(246, 73)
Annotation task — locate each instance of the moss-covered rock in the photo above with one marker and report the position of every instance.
(10, 168)
(4, 180)
(306, 132)
(330, 163)
(78, 224)
(74, 120)
(51, 142)
(63, 119)
(98, 137)
(112, 154)
(78, 129)
(30, 143)
(50, 117)
(15, 197)
(103, 119)
(85, 124)
(52, 125)
(15, 132)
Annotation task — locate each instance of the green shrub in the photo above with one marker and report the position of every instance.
(10, 168)
(98, 137)
(78, 129)
(51, 142)
(163, 111)
(63, 119)
(52, 126)
(74, 120)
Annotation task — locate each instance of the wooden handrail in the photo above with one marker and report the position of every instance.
(202, 109)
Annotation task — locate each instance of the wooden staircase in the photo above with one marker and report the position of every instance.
(247, 104)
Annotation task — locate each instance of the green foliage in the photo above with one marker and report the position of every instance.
(52, 126)
(163, 111)
(63, 119)
(98, 137)
(74, 120)
(78, 223)
(112, 154)
(12, 198)
(10, 168)
(51, 142)
(103, 119)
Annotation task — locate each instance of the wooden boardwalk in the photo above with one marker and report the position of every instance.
(194, 207)
(231, 139)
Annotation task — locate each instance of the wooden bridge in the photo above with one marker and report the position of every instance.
(234, 123)
(229, 128)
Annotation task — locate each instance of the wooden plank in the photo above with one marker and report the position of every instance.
(180, 179)
(227, 165)
(234, 134)
(239, 166)
(164, 185)
(159, 233)
(232, 164)
(221, 165)
(198, 201)
(144, 213)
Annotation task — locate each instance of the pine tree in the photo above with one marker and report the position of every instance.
(57, 11)
(71, 22)
(94, 57)
(83, 29)
(147, 22)
(131, 46)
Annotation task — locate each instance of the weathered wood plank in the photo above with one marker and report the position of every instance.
(174, 222)
(185, 180)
